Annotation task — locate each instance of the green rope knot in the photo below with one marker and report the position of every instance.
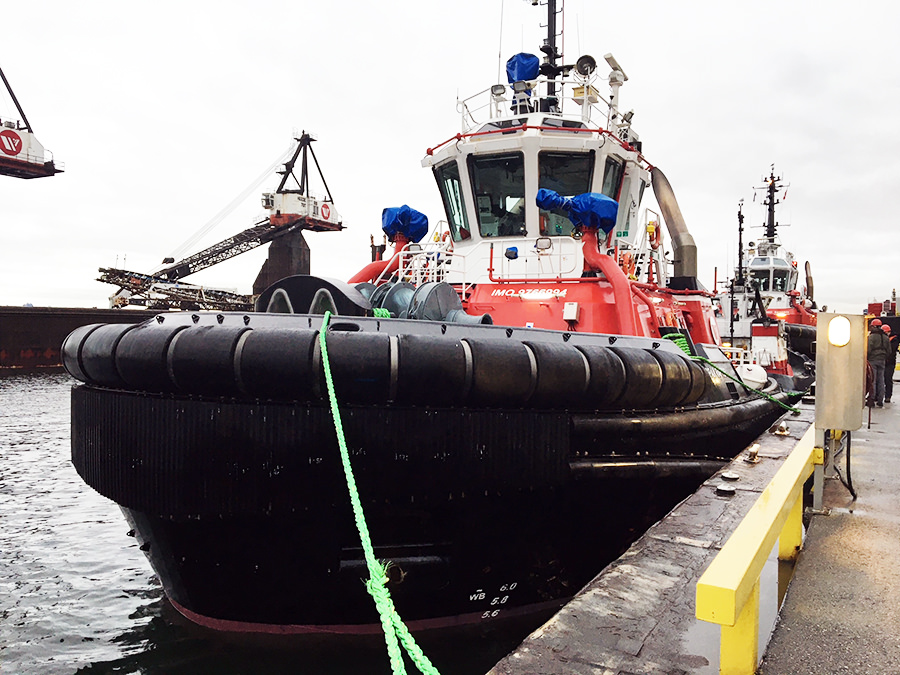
(395, 631)
(681, 341)
(381, 313)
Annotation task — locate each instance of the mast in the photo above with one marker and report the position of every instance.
(772, 188)
(740, 269)
(549, 68)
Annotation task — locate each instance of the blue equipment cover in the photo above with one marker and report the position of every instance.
(522, 67)
(590, 209)
(404, 220)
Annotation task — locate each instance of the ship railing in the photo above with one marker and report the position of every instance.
(420, 265)
(739, 355)
(728, 591)
(432, 260)
(575, 95)
(31, 158)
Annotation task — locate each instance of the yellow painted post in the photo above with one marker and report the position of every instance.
(791, 538)
(739, 651)
(728, 591)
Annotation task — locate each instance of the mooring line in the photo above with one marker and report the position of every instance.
(395, 631)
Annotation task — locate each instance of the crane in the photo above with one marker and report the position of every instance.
(289, 210)
(21, 155)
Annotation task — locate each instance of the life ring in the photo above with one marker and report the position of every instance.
(655, 235)
(629, 264)
(326, 211)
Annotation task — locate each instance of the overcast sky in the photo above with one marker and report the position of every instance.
(164, 112)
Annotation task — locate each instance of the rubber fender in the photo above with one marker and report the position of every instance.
(201, 359)
(643, 377)
(699, 381)
(503, 373)
(97, 354)
(676, 385)
(607, 376)
(142, 354)
(431, 370)
(562, 375)
(70, 352)
(277, 363)
(360, 366)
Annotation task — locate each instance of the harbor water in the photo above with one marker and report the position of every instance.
(78, 596)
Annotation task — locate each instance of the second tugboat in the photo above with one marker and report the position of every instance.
(764, 315)
(524, 390)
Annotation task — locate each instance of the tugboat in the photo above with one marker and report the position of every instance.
(771, 322)
(523, 389)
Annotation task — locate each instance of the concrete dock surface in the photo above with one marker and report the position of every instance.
(842, 609)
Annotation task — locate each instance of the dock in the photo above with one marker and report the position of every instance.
(842, 611)
(841, 607)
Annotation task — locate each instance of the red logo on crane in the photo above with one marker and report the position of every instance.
(326, 211)
(10, 142)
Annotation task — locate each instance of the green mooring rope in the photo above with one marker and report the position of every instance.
(395, 631)
(381, 313)
(682, 342)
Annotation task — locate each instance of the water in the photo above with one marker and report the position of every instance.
(78, 596)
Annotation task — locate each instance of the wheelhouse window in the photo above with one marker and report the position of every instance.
(498, 182)
(612, 177)
(567, 174)
(782, 275)
(454, 204)
(761, 277)
(781, 280)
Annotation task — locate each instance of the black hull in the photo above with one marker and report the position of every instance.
(251, 529)
(485, 510)
(470, 560)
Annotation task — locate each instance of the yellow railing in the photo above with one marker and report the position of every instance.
(728, 591)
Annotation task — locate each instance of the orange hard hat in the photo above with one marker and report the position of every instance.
(886, 328)
(876, 322)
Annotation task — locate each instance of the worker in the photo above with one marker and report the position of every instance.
(878, 347)
(890, 363)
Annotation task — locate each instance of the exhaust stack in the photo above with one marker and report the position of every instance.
(685, 252)
(809, 283)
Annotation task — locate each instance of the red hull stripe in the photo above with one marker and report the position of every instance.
(354, 629)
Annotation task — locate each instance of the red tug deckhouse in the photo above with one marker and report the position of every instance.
(530, 266)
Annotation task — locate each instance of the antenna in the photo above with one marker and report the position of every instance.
(499, 46)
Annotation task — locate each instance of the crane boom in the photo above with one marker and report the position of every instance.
(261, 233)
(157, 292)
(289, 210)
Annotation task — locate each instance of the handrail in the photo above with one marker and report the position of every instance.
(728, 591)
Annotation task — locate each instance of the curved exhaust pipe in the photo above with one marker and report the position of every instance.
(809, 283)
(685, 252)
